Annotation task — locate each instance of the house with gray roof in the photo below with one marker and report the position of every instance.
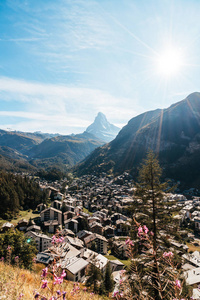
(100, 241)
(75, 268)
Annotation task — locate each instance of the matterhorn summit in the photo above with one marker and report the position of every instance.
(102, 129)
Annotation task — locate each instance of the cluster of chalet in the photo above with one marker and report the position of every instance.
(106, 201)
(85, 234)
(189, 216)
(190, 211)
(91, 212)
(75, 258)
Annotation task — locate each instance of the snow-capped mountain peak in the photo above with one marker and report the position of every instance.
(102, 129)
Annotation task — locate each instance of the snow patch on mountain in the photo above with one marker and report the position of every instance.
(102, 129)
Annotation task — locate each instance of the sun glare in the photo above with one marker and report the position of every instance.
(170, 61)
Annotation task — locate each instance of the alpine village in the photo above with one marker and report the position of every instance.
(122, 222)
(99, 150)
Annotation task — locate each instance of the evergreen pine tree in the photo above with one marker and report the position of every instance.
(94, 276)
(151, 208)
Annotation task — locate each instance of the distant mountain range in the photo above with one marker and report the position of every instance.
(30, 151)
(172, 133)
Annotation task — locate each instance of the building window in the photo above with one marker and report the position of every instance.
(47, 215)
(55, 215)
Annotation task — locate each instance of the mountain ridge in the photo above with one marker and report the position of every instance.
(173, 133)
(20, 151)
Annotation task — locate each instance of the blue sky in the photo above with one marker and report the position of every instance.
(63, 61)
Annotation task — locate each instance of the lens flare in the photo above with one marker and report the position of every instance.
(170, 61)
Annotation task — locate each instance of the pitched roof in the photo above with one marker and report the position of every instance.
(33, 227)
(93, 237)
(37, 234)
(74, 241)
(76, 265)
(7, 224)
(70, 220)
(116, 262)
(51, 208)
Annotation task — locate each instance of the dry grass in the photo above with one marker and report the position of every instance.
(192, 247)
(14, 281)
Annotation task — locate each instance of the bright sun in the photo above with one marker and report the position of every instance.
(170, 62)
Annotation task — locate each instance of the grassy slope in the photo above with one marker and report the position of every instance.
(14, 281)
(192, 247)
(23, 214)
(126, 262)
(109, 256)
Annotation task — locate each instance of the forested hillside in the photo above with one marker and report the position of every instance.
(17, 192)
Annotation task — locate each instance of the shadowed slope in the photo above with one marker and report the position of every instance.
(173, 133)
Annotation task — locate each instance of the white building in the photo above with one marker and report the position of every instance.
(43, 241)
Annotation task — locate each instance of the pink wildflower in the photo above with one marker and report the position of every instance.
(58, 280)
(44, 272)
(115, 293)
(140, 230)
(131, 243)
(168, 254)
(146, 230)
(64, 295)
(57, 240)
(44, 284)
(53, 239)
(63, 274)
(178, 284)
(37, 296)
